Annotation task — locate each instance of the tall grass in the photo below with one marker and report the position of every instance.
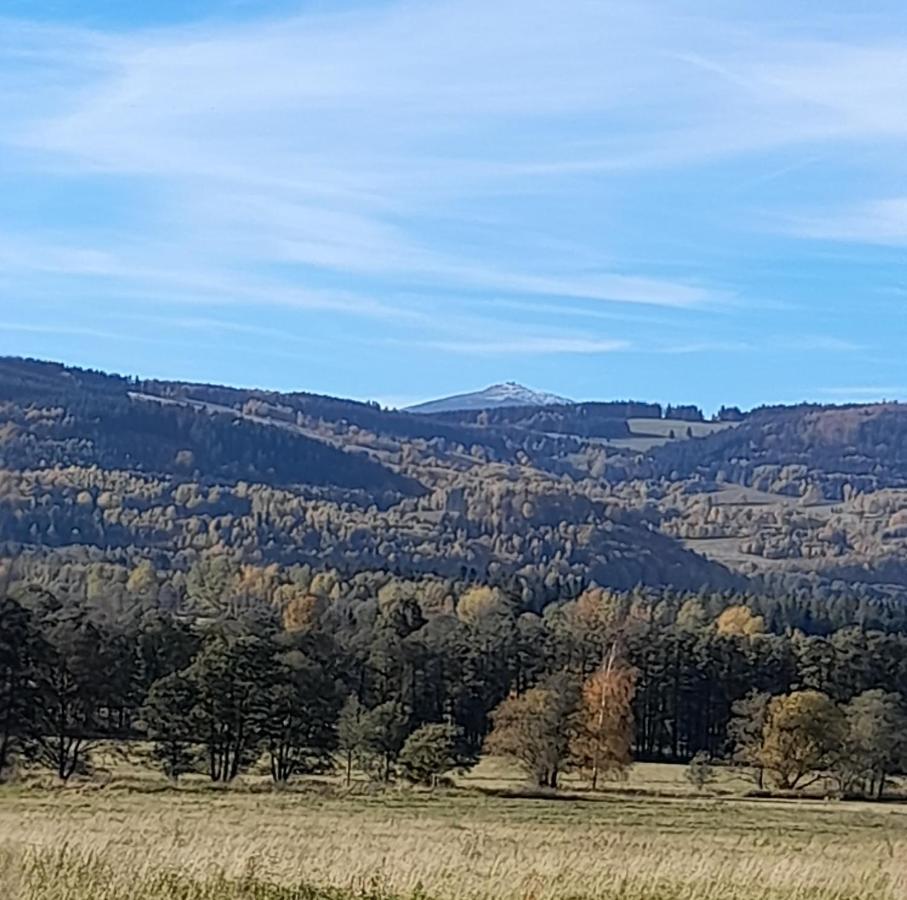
(244, 847)
(65, 875)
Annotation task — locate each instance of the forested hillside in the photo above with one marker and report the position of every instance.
(54, 418)
(425, 569)
(104, 469)
(106, 473)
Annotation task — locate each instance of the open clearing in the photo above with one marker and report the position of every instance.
(198, 843)
(648, 433)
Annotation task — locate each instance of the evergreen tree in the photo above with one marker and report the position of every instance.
(876, 743)
(429, 752)
(169, 717)
(299, 721)
(20, 646)
(351, 732)
(231, 676)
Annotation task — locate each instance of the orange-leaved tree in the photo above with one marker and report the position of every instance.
(533, 729)
(602, 737)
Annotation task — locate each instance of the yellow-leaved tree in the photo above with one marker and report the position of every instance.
(602, 738)
(802, 738)
(302, 611)
(740, 620)
(480, 603)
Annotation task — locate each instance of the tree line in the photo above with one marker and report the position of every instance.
(386, 688)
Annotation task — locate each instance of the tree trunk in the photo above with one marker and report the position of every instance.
(70, 754)
(6, 731)
(215, 762)
(175, 761)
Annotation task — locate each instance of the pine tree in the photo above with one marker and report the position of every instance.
(351, 733)
(168, 717)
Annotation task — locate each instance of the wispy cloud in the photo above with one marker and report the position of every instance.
(447, 169)
(63, 330)
(325, 141)
(863, 392)
(805, 343)
(874, 222)
(818, 343)
(703, 347)
(207, 325)
(531, 346)
(157, 270)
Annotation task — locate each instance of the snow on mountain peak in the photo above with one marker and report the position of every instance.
(508, 393)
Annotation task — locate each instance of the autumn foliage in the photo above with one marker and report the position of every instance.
(602, 738)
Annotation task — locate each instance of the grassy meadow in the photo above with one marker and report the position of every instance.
(654, 838)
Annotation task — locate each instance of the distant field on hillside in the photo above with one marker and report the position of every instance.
(648, 433)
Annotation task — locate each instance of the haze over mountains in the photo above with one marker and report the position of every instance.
(100, 470)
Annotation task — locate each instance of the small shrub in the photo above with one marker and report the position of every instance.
(700, 771)
(428, 753)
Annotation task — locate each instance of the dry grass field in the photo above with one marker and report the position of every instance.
(126, 841)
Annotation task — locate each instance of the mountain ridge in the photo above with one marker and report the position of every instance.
(805, 500)
(495, 396)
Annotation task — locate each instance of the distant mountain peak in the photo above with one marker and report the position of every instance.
(508, 393)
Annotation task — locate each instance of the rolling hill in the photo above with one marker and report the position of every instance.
(101, 470)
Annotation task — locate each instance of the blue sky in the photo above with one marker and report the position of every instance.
(677, 201)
